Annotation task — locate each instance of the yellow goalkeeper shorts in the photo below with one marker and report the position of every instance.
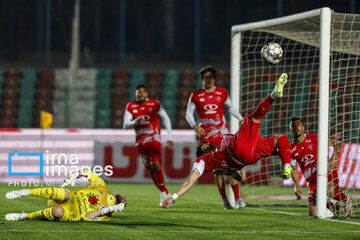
(71, 212)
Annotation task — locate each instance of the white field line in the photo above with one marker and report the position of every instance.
(171, 231)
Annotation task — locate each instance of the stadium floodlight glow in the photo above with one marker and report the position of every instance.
(321, 51)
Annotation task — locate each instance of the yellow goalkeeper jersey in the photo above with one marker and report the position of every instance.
(86, 200)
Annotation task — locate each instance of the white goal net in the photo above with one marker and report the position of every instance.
(253, 79)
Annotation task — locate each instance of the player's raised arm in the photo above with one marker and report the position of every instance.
(190, 181)
(166, 120)
(232, 110)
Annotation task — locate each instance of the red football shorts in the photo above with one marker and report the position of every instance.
(150, 152)
(312, 187)
(250, 145)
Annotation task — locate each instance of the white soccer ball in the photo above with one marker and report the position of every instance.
(272, 53)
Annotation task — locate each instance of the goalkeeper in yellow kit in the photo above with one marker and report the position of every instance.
(91, 204)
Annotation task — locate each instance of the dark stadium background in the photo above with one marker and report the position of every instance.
(160, 43)
(144, 33)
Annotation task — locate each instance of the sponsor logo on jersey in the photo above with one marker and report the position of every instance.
(219, 93)
(151, 104)
(308, 159)
(202, 100)
(142, 108)
(135, 111)
(210, 108)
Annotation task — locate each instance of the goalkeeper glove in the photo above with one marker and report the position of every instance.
(285, 174)
(69, 181)
(113, 209)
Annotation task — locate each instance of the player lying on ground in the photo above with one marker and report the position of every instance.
(246, 147)
(91, 204)
(209, 102)
(304, 152)
(143, 114)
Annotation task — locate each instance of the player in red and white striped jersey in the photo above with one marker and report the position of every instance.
(246, 147)
(209, 102)
(142, 114)
(304, 152)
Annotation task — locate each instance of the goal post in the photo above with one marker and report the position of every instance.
(321, 57)
(322, 170)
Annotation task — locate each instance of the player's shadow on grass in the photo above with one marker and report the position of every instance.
(148, 224)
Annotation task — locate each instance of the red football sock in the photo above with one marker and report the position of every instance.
(160, 182)
(222, 193)
(284, 149)
(263, 107)
(235, 189)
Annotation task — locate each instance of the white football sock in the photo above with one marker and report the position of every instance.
(25, 192)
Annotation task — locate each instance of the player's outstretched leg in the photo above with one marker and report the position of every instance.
(265, 105)
(15, 216)
(282, 143)
(278, 90)
(17, 194)
(47, 193)
(53, 213)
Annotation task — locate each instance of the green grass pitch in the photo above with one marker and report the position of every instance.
(197, 215)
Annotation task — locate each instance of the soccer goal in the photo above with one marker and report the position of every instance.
(321, 57)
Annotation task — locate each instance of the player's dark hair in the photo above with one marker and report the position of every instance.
(199, 151)
(118, 198)
(140, 86)
(207, 69)
(296, 119)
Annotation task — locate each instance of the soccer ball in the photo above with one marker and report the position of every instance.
(272, 53)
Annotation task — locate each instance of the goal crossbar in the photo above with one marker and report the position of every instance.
(275, 22)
